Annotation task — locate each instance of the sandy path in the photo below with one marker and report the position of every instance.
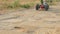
(31, 22)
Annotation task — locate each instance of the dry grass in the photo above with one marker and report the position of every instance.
(18, 3)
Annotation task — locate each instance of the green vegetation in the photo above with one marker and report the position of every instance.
(14, 4)
(17, 4)
(52, 2)
(27, 5)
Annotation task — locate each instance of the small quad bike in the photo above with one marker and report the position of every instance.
(43, 6)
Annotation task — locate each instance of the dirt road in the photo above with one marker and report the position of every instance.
(31, 21)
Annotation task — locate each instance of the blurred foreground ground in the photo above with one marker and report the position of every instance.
(30, 21)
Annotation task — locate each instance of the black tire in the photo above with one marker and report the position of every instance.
(46, 7)
(37, 7)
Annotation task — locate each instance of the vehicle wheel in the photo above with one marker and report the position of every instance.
(37, 7)
(46, 7)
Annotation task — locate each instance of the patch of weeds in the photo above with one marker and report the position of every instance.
(9, 6)
(32, 4)
(25, 6)
(14, 5)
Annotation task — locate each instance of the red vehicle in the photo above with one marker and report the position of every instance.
(43, 5)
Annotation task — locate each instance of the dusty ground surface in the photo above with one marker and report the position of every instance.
(31, 21)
